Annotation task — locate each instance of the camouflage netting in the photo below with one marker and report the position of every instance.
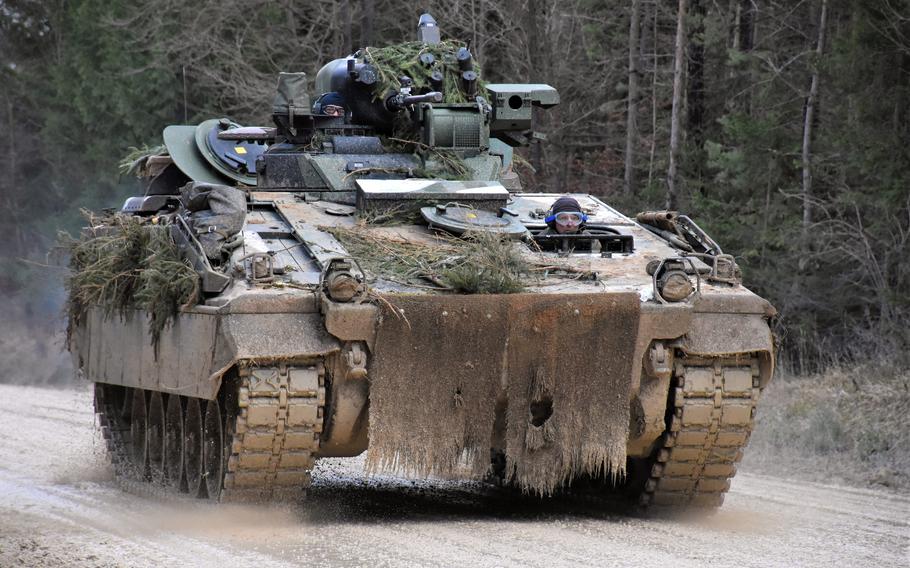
(439, 164)
(123, 263)
(483, 263)
(393, 61)
(562, 360)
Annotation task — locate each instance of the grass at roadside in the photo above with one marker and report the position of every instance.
(848, 425)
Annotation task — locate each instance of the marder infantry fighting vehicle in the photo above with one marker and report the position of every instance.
(369, 276)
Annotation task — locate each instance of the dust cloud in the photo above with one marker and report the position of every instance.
(33, 339)
(60, 506)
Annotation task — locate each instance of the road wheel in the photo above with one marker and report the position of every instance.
(155, 437)
(172, 452)
(213, 450)
(192, 446)
(139, 434)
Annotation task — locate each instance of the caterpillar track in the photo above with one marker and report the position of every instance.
(710, 422)
(256, 441)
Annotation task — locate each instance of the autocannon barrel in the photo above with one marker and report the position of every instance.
(399, 102)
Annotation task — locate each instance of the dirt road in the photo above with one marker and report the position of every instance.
(59, 506)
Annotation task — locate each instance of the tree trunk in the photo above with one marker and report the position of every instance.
(747, 43)
(655, 65)
(747, 26)
(743, 29)
(737, 18)
(11, 177)
(695, 92)
(811, 102)
(475, 44)
(632, 109)
(766, 217)
(898, 123)
(347, 10)
(290, 18)
(183, 79)
(366, 22)
(535, 75)
(672, 181)
(565, 167)
(695, 99)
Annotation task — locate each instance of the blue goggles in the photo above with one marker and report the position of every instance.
(568, 218)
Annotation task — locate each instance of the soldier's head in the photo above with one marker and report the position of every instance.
(330, 104)
(566, 216)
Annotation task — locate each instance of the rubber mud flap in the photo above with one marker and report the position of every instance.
(565, 362)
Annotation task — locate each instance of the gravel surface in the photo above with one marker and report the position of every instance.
(60, 506)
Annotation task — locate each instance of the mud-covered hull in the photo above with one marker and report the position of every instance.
(706, 361)
(197, 350)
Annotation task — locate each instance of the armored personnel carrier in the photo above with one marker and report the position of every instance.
(370, 277)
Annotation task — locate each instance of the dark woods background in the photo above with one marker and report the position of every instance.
(781, 127)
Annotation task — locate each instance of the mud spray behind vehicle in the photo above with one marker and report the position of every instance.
(368, 275)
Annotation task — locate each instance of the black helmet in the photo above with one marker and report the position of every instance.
(327, 99)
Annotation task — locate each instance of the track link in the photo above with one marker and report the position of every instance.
(115, 432)
(712, 418)
(274, 437)
(272, 423)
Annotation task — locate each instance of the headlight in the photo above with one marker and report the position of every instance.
(671, 279)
